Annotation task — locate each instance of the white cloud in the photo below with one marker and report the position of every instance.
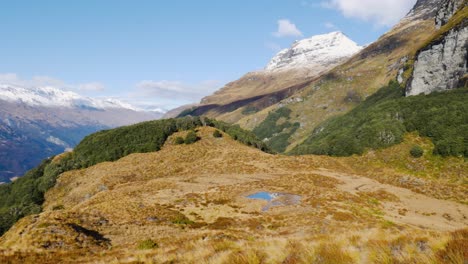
(330, 25)
(287, 29)
(379, 12)
(149, 95)
(92, 87)
(14, 79)
(170, 94)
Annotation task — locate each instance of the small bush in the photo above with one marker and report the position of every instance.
(217, 134)
(416, 151)
(147, 244)
(250, 110)
(58, 207)
(179, 141)
(191, 138)
(182, 220)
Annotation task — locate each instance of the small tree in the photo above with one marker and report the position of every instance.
(191, 137)
(217, 134)
(179, 141)
(416, 151)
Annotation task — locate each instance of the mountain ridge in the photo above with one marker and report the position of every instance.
(309, 57)
(342, 88)
(48, 96)
(316, 51)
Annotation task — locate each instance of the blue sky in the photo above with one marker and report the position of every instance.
(167, 53)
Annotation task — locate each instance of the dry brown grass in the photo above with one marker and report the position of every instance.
(332, 253)
(456, 249)
(190, 201)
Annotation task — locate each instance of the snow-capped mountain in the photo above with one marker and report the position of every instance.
(39, 122)
(317, 51)
(52, 97)
(305, 60)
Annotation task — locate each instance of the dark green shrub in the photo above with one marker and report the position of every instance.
(248, 110)
(277, 134)
(179, 141)
(147, 244)
(217, 134)
(416, 151)
(182, 220)
(191, 138)
(58, 207)
(383, 119)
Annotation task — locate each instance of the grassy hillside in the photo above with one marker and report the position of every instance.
(382, 120)
(339, 91)
(26, 195)
(188, 204)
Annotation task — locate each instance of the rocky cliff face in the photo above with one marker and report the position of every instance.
(443, 63)
(447, 10)
(423, 9)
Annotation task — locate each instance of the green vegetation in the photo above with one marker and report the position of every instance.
(179, 141)
(182, 220)
(237, 133)
(248, 110)
(26, 195)
(383, 118)
(147, 244)
(416, 151)
(191, 138)
(187, 112)
(217, 134)
(277, 129)
(58, 207)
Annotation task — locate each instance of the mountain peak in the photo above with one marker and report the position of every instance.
(48, 96)
(316, 51)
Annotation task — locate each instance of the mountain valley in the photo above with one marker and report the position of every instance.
(334, 153)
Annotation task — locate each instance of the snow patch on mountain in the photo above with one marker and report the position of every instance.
(57, 141)
(315, 52)
(48, 96)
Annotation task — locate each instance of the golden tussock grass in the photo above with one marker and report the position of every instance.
(187, 204)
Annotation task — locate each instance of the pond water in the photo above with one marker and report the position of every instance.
(276, 199)
(262, 196)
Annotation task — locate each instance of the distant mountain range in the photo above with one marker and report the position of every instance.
(52, 97)
(38, 122)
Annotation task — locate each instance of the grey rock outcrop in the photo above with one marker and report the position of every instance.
(442, 65)
(446, 11)
(424, 9)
